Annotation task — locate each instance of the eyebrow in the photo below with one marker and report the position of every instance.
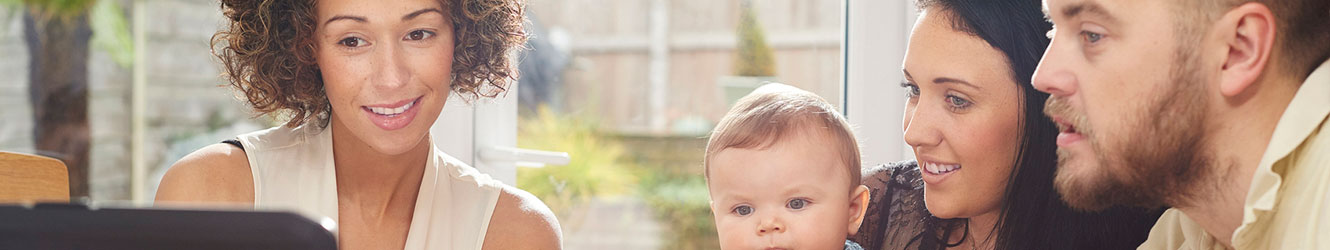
(362, 19)
(803, 189)
(1089, 8)
(421, 12)
(941, 80)
(729, 200)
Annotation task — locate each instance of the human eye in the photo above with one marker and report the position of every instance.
(1092, 34)
(957, 103)
(417, 35)
(797, 203)
(353, 42)
(911, 90)
(1091, 38)
(742, 210)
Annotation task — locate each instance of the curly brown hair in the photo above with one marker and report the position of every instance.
(268, 52)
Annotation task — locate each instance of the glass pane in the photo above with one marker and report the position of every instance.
(91, 73)
(630, 89)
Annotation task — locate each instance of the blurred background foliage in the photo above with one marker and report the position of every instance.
(753, 56)
(58, 34)
(597, 167)
(607, 164)
(682, 202)
(110, 26)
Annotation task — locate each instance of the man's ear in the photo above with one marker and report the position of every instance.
(858, 207)
(1248, 32)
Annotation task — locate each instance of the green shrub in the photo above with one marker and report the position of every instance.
(596, 168)
(753, 57)
(604, 164)
(682, 203)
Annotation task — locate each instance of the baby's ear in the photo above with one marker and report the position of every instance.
(858, 207)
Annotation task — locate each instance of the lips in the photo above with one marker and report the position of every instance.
(1067, 133)
(391, 111)
(1070, 124)
(393, 116)
(938, 168)
(935, 172)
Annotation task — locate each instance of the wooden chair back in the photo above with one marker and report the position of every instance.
(32, 178)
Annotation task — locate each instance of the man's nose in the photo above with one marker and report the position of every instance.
(1054, 74)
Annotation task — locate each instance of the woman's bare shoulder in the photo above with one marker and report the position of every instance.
(216, 173)
(522, 221)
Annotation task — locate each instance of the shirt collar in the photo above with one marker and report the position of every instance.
(1305, 113)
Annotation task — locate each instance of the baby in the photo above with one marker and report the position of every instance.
(782, 169)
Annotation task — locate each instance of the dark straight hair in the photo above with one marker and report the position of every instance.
(1033, 215)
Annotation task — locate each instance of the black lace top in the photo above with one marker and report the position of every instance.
(897, 218)
(896, 215)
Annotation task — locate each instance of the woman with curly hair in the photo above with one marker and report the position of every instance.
(362, 82)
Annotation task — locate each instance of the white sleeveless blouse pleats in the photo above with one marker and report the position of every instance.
(293, 170)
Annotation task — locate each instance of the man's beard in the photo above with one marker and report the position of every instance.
(1157, 162)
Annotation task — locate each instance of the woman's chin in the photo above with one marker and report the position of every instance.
(396, 144)
(390, 142)
(940, 208)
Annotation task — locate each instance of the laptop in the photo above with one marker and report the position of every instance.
(75, 226)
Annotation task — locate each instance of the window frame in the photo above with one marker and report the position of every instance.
(876, 35)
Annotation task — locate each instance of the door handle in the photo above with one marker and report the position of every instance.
(522, 157)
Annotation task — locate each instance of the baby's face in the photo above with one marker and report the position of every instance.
(793, 195)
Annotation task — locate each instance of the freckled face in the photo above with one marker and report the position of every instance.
(794, 194)
(962, 118)
(386, 67)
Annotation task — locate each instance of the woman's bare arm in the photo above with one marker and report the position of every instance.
(522, 221)
(218, 173)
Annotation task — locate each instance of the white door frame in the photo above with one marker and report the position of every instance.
(483, 134)
(876, 34)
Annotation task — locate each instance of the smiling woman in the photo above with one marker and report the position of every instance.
(362, 83)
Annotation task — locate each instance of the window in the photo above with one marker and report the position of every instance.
(630, 90)
(608, 124)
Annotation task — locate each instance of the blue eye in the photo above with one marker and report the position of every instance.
(1091, 37)
(797, 203)
(911, 90)
(742, 210)
(956, 102)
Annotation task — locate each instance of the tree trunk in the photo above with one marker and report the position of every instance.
(58, 92)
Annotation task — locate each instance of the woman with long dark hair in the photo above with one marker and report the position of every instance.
(985, 154)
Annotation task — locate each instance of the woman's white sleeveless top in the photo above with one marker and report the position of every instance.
(293, 170)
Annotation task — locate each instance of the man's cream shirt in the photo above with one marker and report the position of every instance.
(1288, 205)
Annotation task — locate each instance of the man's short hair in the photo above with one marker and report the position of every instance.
(1303, 34)
(760, 119)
